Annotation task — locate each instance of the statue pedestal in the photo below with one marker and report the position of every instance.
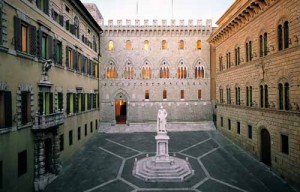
(162, 148)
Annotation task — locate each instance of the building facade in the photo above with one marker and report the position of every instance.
(257, 55)
(49, 103)
(144, 66)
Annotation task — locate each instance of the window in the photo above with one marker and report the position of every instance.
(250, 131)
(70, 103)
(283, 36)
(181, 94)
(61, 142)
(110, 45)
(284, 100)
(249, 51)
(228, 60)
(199, 44)
(146, 73)
(1, 36)
(85, 129)
(22, 162)
(128, 45)
(91, 126)
(146, 45)
(76, 27)
(128, 72)
(69, 57)
(264, 102)
(57, 17)
(285, 144)
(71, 137)
(182, 72)
(266, 97)
(43, 5)
(228, 95)
(229, 124)
(249, 96)
(5, 109)
(164, 94)
(57, 52)
(221, 67)
(45, 103)
(199, 72)
(78, 133)
(237, 56)
(60, 101)
(221, 95)
(222, 122)
(181, 44)
(199, 93)
(238, 127)
(164, 72)
(237, 96)
(164, 44)
(44, 46)
(67, 9)
(147, 94)
(25, 107)
(24, 37)
(67, 25)
(263, 45)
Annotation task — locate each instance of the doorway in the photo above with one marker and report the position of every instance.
(265, 147)
(121, 111)
(48, 155)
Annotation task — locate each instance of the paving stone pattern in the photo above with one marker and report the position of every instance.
(105, 165)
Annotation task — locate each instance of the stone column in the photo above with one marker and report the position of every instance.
(41, 157)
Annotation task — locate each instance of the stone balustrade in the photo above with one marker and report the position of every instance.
(50, 120)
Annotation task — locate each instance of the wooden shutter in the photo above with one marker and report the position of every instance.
(52, 14)
(39, 44)
(41, 102)
(50, 47)
(46, 7)
(75, 60)
(51, 102)
(32, 40)
(82, 63)
(8, 109)
(17, 33)
(67, 56)
(94, 101)
(68, 102)
(61, 20)
(54, 51)
(82, 102)
(75, 103)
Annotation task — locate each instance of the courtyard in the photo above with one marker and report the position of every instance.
(105, 164)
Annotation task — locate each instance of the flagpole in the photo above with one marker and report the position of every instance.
(172, 9)
(137, 8)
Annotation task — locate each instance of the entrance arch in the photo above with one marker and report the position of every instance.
(265, 147)
(121, 107)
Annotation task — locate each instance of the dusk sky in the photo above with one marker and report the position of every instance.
(161, 9)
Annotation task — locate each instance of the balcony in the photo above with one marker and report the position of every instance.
(50, 120)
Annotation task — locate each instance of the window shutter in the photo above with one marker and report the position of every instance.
(38, 3)
(82, 102)
(54, 51)
(8, 109)
(32, 39)
(75, 103)
(52, 14)
(39, 44)
(17, 33)
(75, 60)
(61, 101)
(72, 29)
(94, 101)
(51, 102)
(83, 59)
(50, 47)
(61, 20)
(68, 103)
(40, 102)
(67, 56)
(46, 8)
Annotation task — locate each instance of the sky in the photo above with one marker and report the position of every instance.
(161, 9)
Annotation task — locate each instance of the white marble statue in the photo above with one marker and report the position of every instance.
(161, 120)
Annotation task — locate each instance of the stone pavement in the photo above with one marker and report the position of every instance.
(105, 165)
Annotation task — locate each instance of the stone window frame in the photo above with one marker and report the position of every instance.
(228, 59)
(263, 48)
(263, 95)
(285, 42)
(21, 88)
(111, 68)
(282, 150)
(228, 94)
(248, 49)
(3, 28)
(146, 70)
(182, 70)
(129, 70)
(199, 67)
(249, 95)
(238, 100)
(164, 69)
(237, 55)
(285, 96)
(4, 87)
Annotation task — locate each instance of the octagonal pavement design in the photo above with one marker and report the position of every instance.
(105, 164)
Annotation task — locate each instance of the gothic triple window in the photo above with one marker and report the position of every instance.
(111, 72)
(128, 71)
(199, 72)
(146, 72)
(182, 72)
(164, 71)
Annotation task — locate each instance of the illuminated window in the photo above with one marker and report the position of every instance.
(181, 44)
(110, 45)
(199, 94)
(165, 94)
(181, 94)
(146, 72)
(128, 45)
(199, 44)
(164, 72)
(181, 72)
(128, 73)
(111, 73)
(164, 44)
(199, 72)
(24, 45)
(146, 45)
(147, 94)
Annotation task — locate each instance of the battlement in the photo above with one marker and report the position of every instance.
(155, 23)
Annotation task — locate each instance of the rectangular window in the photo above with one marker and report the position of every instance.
(46, 103)
(222, 122)
(229, 124)
(58, 52)
(285, 144)
(22, 162)
(44, 46)
(199, 93)
(147, 94)
(250, 131)
(238, 127)
(5, 109)
(165, 94)
(181, 94)
(25, 107)
(91, 126)
(96, 123)
(60, 101)
(85, 130)
(78, 133)
(70, 137)
(70, 103)
(24, 38)
(61, 142)
(69, 58)
(43, 5)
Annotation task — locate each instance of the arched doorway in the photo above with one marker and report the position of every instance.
(121, 111)
(265, 147)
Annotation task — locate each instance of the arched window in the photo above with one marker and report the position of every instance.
(128, 45)
(164, 72)
(199, 44)
(199, 72)
(164, 44)
(221, 67)
(146, 45)
(248, 51)
(237, 95)
(237, 56)
(263, 45)
(181, 44)
(284, 96)
(249, 96)
(146, 72)
(228, 60)
(111, 73)
(228, 95)
(182, 72)
(76, 27)
(264, 96)
(283, 35)
(128, 72)
(110, 45)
